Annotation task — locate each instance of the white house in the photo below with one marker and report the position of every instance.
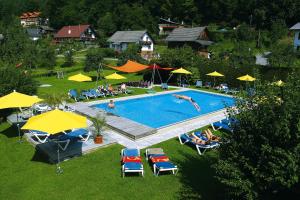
(31, 19)
(120, 40)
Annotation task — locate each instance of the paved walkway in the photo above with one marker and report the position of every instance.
(168, 132)
(162, 134)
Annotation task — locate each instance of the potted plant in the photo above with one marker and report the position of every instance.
(98, 124)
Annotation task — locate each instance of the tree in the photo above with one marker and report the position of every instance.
(131, 53)
(55, 100)
(94, 58)
(282, 56)
(12, 78)
(107, 24)
(278, 30)
(245, 33)
(262, 158)
(68, 58)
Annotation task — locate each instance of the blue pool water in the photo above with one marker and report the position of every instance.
(163, 110)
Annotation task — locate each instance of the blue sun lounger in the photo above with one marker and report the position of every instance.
(41, 136)
(87, 94)
(75, 134)
(135, 165)
(164, 166)
(201, 148)
(74, 95)
(157, 157)
(225, 124)
(96, 93)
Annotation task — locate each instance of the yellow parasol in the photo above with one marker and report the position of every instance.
(18, 100)
(55, 121)
(215, 74)
(80, 78)
(115, 76)
(279, 83)
(181, 71)
(246, 78)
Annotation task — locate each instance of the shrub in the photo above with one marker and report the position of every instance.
(68, 58)
(93, 58)
(262, 159)
(12, 78)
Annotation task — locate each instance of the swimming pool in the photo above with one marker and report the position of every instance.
(163, 110)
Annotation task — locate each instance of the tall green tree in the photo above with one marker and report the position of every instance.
(12, 78)
(282, 56)
(94, 58)
(262, 157)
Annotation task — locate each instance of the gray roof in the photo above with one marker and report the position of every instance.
(126, 36)
(1, 36)
(47, 28)
(204, 42)
(185, 34)
(34, 32)
(296, 26)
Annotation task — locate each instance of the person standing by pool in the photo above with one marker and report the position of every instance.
(190, 99)
(111, 104)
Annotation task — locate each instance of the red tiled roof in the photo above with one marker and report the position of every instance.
(71, 31)
(30, 15)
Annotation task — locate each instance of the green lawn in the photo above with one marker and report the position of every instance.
(25, 174)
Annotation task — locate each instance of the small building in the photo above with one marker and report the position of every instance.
(196, 37)
(31, 19)
(262, 59)
(39, 32)
(296, 29)
(166, 26)
(82, 33)
(120, 40)
(34, 33)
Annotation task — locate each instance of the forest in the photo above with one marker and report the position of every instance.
(111, 15)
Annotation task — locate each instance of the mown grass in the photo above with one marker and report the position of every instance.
(25, 174)
(62, 86)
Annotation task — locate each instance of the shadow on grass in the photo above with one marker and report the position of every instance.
(11, 132)
(40, 157)
(197, 177)
(47, 152)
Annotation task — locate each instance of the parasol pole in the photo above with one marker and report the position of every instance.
(159, 76)
(58, 168)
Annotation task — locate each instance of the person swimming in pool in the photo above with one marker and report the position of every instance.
(190, 99)
(111, 104)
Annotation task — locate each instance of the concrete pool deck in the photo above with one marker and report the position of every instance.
(135, 135)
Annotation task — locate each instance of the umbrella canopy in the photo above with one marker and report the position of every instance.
(181, 71)
(246, 78)
(215, 73)
(55, 121)
(279, 83)
(115, 76)
(80, 78)
(18, 100)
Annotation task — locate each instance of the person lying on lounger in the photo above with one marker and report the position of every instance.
(198, 140)
(190, 99)
(210, 136)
